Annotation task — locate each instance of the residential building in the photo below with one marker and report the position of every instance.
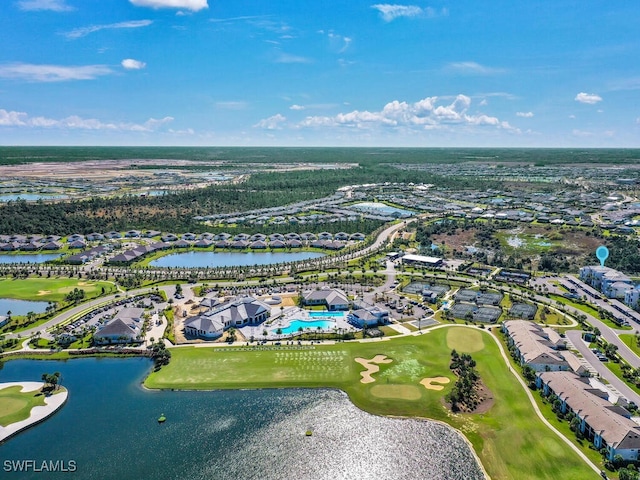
(536, 346)
(608, 426)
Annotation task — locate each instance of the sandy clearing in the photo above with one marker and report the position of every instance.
(371, 367)
(430, 383)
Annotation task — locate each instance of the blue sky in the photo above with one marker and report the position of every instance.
(344, 73)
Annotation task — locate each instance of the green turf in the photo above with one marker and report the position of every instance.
(631, 342)
(509, 438)
(49, 289)
(16, 406)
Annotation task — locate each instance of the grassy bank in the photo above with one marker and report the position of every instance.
(509, 438)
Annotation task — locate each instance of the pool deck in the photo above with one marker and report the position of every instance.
(38, 414)
(289, 315)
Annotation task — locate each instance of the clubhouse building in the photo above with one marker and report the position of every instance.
(333, 299)
(237, 313)
(124, 327)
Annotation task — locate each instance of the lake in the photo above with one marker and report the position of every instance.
(29, 197)
(381, 208)
(108, 427)
(28, 257)
(21, 307)
(230, 259)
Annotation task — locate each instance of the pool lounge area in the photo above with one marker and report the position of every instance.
(297, 318)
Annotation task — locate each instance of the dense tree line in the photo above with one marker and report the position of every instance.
(362, 156)
(624, 254)
(176, 212)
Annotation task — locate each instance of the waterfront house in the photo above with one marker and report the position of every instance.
(258, 245)
(203, 243)
(52, 246)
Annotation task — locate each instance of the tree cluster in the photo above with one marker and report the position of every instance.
(464, 394)
(160, 354)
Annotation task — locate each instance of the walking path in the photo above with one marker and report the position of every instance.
(38, 414)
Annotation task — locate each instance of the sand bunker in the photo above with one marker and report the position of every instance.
(430, 383)
(43, 292)
(371, 367)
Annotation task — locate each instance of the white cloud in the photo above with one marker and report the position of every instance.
(75, 122)
(84, 31)
(427, 113)
(288, 58)
(581, 133)
(131, 64)
(52, 5)
(10, 119)
(589, 98)
(272, 123)
(472, 68)
(339, 43)
(193, 5)
(52, 73)
(296, 107)
(390, 12)
(232, 105)
(524, 114)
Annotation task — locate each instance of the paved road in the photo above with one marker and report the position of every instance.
(600, 367)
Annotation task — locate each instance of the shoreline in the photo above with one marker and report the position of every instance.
(38, 414)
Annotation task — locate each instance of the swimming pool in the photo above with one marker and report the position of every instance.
(295, 325)
(326, 314)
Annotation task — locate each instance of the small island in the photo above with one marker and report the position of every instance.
(23, 404)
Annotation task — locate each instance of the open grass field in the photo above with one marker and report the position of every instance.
(509, 438)
(49, 289)
(16, 406)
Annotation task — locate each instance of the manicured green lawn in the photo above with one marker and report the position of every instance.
(509, 438)
(16, 406)
(631, 342)
(49, 289)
